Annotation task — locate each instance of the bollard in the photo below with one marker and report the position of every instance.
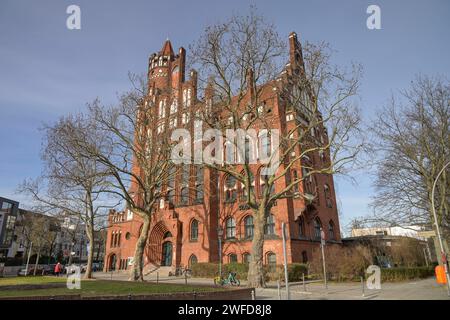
(185, 278)
(279, 289)
(362, 286)
(129, 296)
(253, 294)
(195, 295)
(304, 284)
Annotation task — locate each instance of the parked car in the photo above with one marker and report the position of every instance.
(40, 271)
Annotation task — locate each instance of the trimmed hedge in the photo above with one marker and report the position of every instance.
(403, 273)
(296, 271)
(210, 270)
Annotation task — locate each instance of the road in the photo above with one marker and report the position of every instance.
(425, 289)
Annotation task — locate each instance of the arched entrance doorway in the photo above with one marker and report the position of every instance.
(167, 250)
(112, 262)
(160, 246)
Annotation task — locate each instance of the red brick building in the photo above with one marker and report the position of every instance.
(199, 201)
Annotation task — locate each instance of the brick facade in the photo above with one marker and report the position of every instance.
(174, 221)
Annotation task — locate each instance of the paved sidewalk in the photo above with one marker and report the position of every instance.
(425, 289)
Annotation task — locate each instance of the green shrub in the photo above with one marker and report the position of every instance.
(210, 270)
(404, 273)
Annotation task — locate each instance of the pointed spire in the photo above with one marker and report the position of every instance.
(167, 48)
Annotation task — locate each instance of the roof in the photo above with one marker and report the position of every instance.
(167, 49)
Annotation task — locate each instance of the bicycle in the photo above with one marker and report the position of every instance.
(181, 271)
(230, 279)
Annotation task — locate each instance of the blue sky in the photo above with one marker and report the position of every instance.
(47, 70)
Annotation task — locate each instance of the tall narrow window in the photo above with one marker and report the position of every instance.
(317, 227)
(327, 194)
(269, 227)
(331, 234)
(199, 192)
(184, 196)
(248, 227)
(194, 230)
(230, 189)
(301, 227)
(252, 186)
(265, 144)
(271, 261)
(230, 228)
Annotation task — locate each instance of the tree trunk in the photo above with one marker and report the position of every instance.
(90, 235)
(138, 259)
(37, 262)
(255, 271)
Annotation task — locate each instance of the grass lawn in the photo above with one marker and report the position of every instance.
(94, 287)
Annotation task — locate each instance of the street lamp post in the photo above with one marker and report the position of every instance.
(322, 248)
(219, 235)
(438, 233)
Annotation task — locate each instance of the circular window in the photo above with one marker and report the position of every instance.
(128, 236)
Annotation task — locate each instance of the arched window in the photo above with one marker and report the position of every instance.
(230, 228)
(230, 189)
(232, 258)
(174, 107)
(252, 186)
(192, 260)
(246, 258)
(327, 193)
(194, 230)
(199, 193)
(119, 238)
(263, 182)
(248, 227)
(317, 228)
(331, 234)
(269, 227)
(265, 145)
(184, 196)
(230, 154)
(301, 227)
(128, 236)
(162, 108)
(271, 259)
(185, 175)
(171, 196)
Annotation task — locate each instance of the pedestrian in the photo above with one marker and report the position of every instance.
(57, 269)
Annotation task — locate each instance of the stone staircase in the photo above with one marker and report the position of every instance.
(153, 269)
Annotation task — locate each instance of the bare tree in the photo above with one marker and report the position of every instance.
(241, 64)
(412, 136)
(41, 231)
(136, 156)
(71, 183)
